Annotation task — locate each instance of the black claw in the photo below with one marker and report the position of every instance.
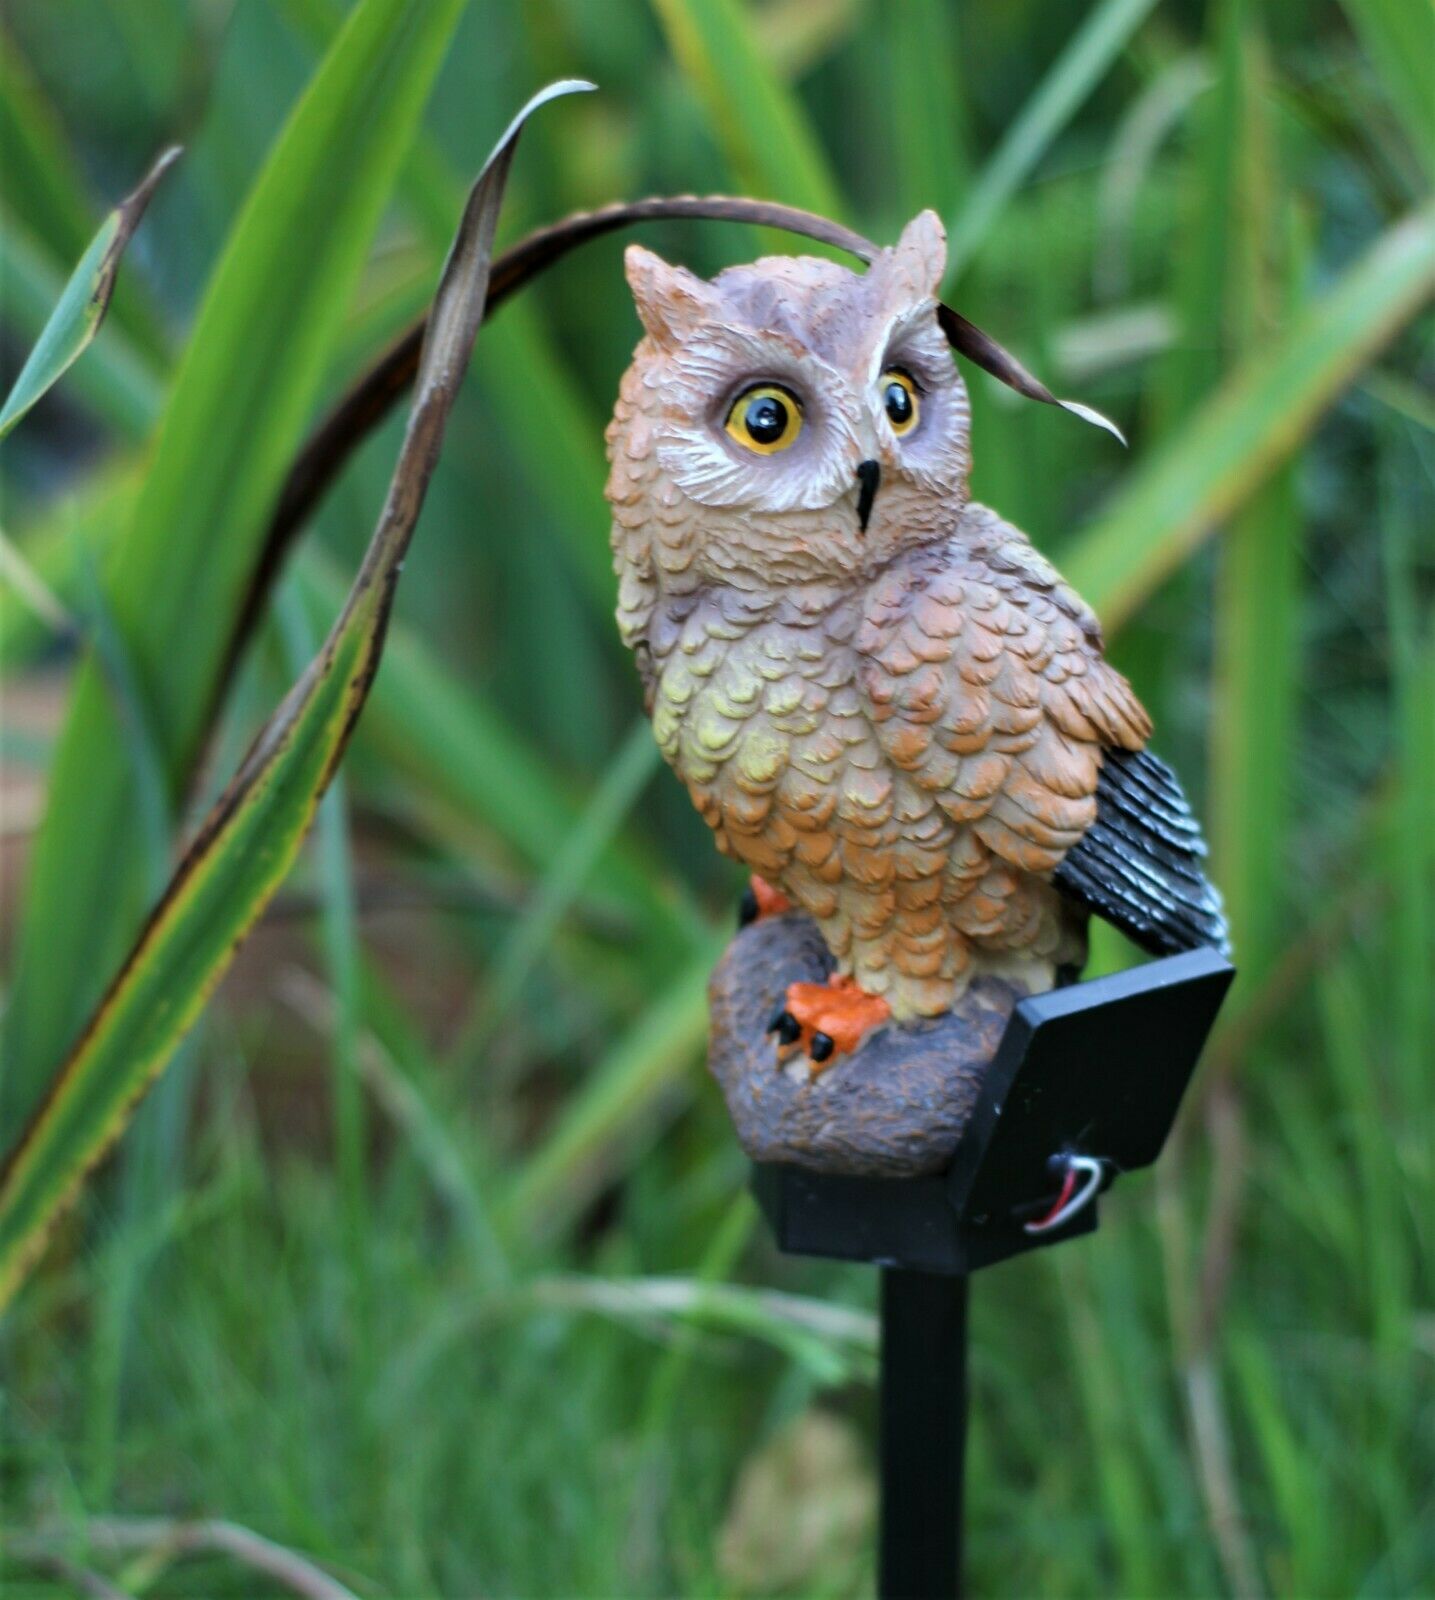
(747, 908)
(822, 1046)
(787, 1028)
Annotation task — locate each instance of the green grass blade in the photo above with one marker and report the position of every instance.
(1076, 72)
(1123, 1489)
(1256, 643)
(1251, 424)
(44, 185)
(930, 161)
(240, 400)
(1208, 252)
(1257, 662)
(615, 1108)
(53, 546)
(835, 1343)
(117, 382)
(1134, 152)
(613, 798)
(718, 1264)
(41, 182)
(421, 1100)
(760, 124)
(1404, 521)
(1399, 38)
(472, 773)
(472, 770)
(339, 940)
(1378, 1172)
(1294, 1485)
(252, 837)
(81, 309)
(26, 595)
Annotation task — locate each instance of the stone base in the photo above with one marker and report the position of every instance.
(895, 1108)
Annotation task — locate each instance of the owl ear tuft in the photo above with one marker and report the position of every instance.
(671, 301)
(921, 253)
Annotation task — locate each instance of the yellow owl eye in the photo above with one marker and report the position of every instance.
(899, 399)
(766, 418)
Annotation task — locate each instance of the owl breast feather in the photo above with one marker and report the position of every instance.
(917, 760)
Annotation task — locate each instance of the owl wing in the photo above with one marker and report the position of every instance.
(986, 682)
(1139, 863)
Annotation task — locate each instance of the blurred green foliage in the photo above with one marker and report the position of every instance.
(429, 1257)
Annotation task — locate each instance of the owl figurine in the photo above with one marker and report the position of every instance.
(882, 699)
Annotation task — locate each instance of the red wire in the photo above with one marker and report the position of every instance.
(1068, 1186)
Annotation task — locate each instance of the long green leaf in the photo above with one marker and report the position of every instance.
(1399, 37)
(1252, 423)
(55, 547)
(1404, 522)
(40, 176)
(471, 771)
(1255, 646)
(1077, 71)
(1255, 653)
(615, 1108)
(613, 798)
(931, 163)
(116, 382)
(76, 319)
(763, 130)
(242, 395)
(44, 185)
(252, 837)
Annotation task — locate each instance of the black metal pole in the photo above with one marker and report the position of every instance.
(923, 1431)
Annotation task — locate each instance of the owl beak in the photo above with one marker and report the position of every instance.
(869, 475)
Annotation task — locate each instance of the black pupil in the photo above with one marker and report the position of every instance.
(899, 403)
(766, 419)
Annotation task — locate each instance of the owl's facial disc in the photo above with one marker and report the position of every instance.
(808, 418)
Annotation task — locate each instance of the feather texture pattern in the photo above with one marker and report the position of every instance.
(1139, 864)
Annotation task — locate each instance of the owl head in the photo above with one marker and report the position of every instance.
(789, 420)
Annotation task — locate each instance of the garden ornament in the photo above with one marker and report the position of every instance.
(882, 699)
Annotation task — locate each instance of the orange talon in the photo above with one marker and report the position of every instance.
(761, 900)
(827, 1019)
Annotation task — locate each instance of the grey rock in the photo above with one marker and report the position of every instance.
(894, 1108)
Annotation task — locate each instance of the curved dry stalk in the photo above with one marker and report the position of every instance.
(173, 1536)
(81, 1579)
(375, 392)
(1216, 1471)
